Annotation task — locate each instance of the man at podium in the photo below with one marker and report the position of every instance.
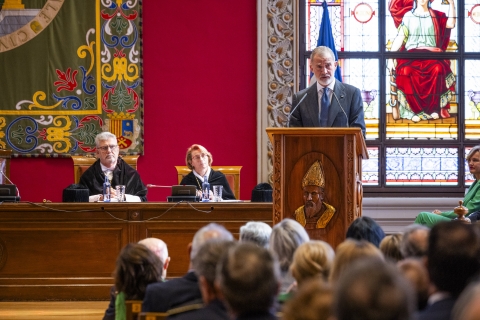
(328, 102)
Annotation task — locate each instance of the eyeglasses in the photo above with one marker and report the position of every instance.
(198, 156)
(113, 147)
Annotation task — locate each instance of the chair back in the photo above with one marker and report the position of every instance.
(134, 307)
(232, 173)
(5, 156)
(82, 163)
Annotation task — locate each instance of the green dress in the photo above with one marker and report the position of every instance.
(471, 201)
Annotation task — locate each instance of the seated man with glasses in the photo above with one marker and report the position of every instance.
(117, 171)
(199, 161)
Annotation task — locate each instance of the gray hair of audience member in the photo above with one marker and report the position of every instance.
(414, 241)
(207, 258)
(102, 136)
(312, 259)
(312, 301)
(212, 231)
(467, 306)
(286, 237)
(390, 247)
(373, 290)
(157, 246)
(248, 278)
(256, 232)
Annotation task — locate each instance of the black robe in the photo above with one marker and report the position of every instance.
(216, 178)
(123, 174)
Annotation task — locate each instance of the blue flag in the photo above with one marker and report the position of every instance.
(325, 37)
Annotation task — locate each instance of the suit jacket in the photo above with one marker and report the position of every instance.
(162, 296)
(440, 310)
(345, 97)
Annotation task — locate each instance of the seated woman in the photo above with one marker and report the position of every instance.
(137, 267)
(471, 200)
(199, 161)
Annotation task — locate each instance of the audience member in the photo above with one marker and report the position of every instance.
(373, 290)
(390, 247)
(110, 165)
(286, 237)
(467, 306)
(158, 247)
(248, 279)
(350, 251)
(160, 297)
(416, 273)
(256, 232)
(313, 301)
(312, 259)
(453, 258)
(414, 242)
(205, 264)
(365, 228)
(136, 267)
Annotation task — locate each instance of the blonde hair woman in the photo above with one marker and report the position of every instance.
(313, 259)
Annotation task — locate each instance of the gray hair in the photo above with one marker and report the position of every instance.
(323, 52)
(105, 135)
(256, 232)
(157, 246)
(212, 231)
(286, 237)
(208, 256)
(410, 246)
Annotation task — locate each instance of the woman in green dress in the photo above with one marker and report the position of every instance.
(471, 200)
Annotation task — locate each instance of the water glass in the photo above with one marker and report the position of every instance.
(120, 193)
(217, 193)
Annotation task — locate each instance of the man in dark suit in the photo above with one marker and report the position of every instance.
(163, 296)
(342, 103)
(453, 258)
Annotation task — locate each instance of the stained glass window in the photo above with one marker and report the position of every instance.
(419, 82)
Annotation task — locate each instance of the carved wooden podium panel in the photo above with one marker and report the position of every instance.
(340, 151)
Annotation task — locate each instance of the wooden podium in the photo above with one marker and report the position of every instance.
(340, 151)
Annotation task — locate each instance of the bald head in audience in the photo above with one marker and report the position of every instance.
(212, 231)
(158, 247)
(414, 243)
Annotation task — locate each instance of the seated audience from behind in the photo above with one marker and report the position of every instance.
(110, 165)
(313, 301)
(467, 306)
(453, 259)
(137, 267)
(158, 247)
(161, 297)
(414, 242)
(205, 265)
(416, 273)
(256, 232)
(248, 280)
(350, 251)
(365, 228)
(312, 260)
(373, 290)
(199, 160)
(390, 247)
(286, 237)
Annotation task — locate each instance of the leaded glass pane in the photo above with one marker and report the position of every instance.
(357, 31)
(472, 99)
(472, 26)
(421, 166)
(419, 28)
(422, 99)
(370, 168)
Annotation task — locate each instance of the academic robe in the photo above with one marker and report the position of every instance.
(216, 178)
(123, 174)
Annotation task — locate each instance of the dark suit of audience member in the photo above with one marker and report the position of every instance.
(161, 297)
(453, 260)
(250, 297)
(345, 104)
(205, 265)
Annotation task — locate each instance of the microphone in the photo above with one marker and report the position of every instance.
(348, 125)
(3, 174)
(295, 108)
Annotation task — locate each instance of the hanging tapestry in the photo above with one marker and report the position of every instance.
(70, 69)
